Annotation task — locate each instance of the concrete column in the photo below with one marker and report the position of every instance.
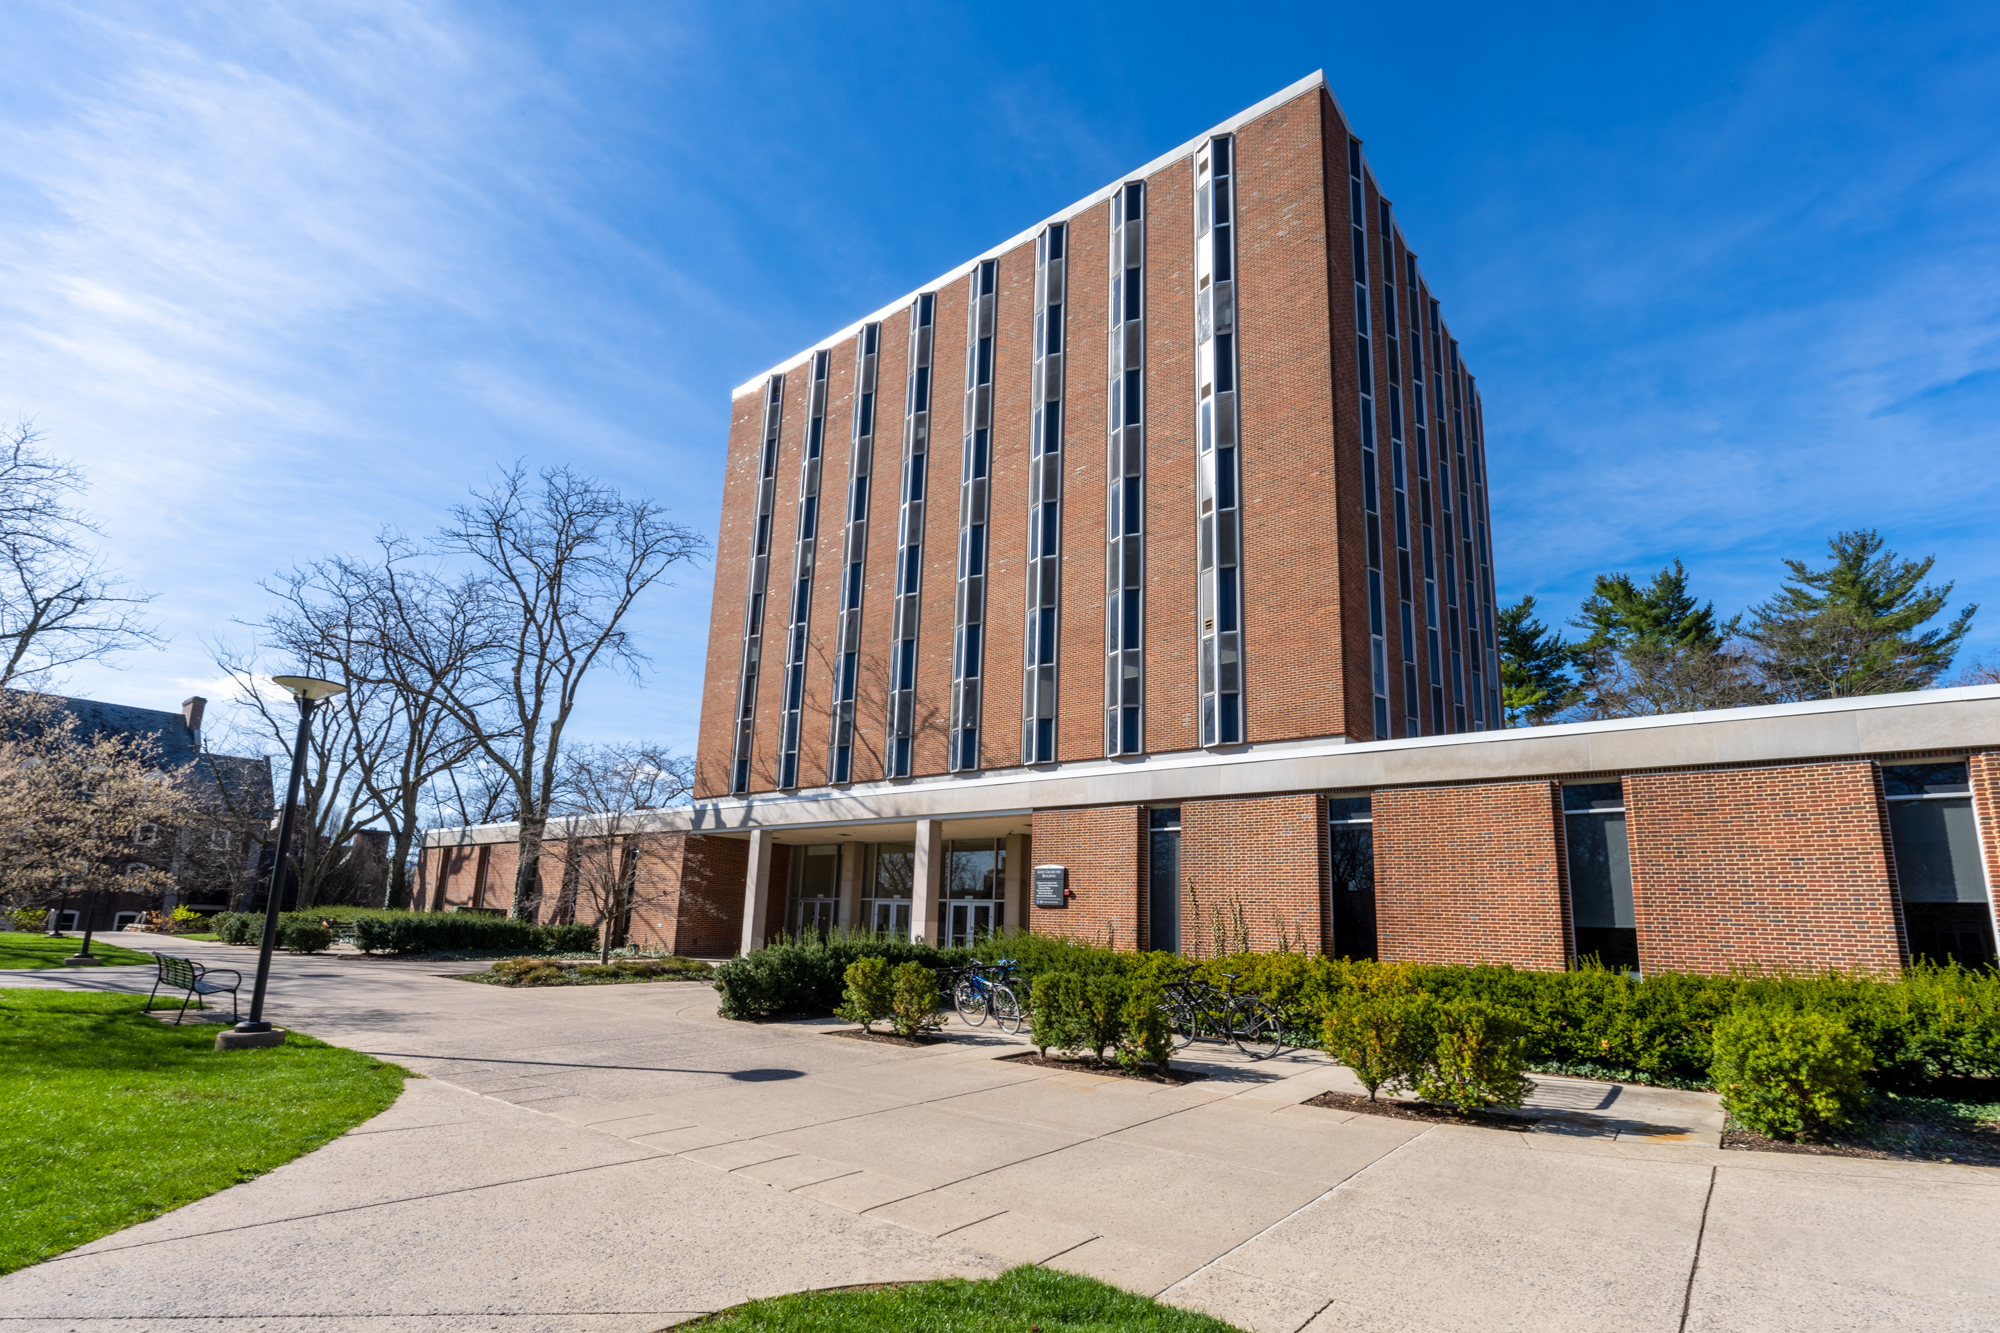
(1018, 877)
(756, 890)
(926, 913)
(852, 857)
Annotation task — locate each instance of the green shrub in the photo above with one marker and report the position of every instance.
(1100, 1015)
(913, 1000)
(238, 927)
(809, 975)
(1475, 1055)
(27, 918)
(870, 994)
(1787, 1074)
(1380, 1035)
(1057, 1006)
(1148, 1037)
(296, 936)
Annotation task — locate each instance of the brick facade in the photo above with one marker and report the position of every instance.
(1766, 867)
(1304, 531)
(1253, 872)
(1984, 771)
(1471, 875)
(1103, 848)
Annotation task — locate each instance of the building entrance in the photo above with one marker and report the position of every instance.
(974, 889)
(887, 878)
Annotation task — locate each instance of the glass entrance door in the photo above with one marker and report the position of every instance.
(970, 922)
(888, 879)
(975, 879)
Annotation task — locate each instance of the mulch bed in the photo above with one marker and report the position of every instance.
(891, 1039)
(1925, 1143)
(1430, 1112)
(1110, 1069)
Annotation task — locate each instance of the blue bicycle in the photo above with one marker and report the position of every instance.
(984, 989)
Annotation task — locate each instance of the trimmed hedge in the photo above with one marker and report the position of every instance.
(416, 932)
(1928, 1024)
(809, 975)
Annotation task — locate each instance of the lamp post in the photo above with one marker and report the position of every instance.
(308, 692)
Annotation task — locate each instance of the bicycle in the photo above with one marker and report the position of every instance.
(976, 994)
(1197, 1009)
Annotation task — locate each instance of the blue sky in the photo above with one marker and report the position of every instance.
(281, 274)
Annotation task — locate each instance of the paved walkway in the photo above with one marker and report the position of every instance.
(619, 1158)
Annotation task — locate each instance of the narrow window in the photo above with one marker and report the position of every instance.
(1947, 909)
(1219, 646)
(1163, 879)
(1600, 874)
(1043, 603)
(753, 614)
(974, 499)
(1351, 875)
(901, 728)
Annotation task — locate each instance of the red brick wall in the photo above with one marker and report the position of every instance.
(1984, 770)
(1470, 875)
(1265, 858)
(1172, 695)
(1103, 849)
(1007, 510)
(878, 601)
(735, 534)
(1764, 867)
(815, 723)
(1080, 682)
(940, 580)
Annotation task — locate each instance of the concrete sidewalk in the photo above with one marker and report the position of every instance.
(621, 1158)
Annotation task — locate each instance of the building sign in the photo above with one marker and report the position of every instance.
(1051, 886)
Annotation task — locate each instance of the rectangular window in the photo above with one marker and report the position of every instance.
(1934, 833)
(1163, 879)
(974, 890)
(1600, 874)
(1351, 875)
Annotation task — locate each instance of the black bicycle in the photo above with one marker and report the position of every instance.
(1197, 1009)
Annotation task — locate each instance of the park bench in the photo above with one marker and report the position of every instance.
(184, 974)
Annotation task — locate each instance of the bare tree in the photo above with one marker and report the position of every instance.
(358, 618)
(76, 807)
(1646, 679)
(560, 560)
(349, 733)
(58, 606)
(606, 789)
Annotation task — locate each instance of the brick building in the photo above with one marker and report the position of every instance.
(1150, 549)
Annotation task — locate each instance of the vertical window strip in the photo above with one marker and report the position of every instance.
(1371, 482)
(753, 602)
(1399, 474)
(1045, 469)
(910, 542)
(1125, 480)
(969, 607)
(1418, 420)
(1476, 448)
(1475, 656)
(1449, 543)
(854, 556)
(805, 542)
(1219, 598)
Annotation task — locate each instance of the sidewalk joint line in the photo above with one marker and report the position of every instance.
(1687, 1297)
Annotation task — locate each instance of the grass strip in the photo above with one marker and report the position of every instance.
(1028, 1299)
(20, 948)
(108, 1117)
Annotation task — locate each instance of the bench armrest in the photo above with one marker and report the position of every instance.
(204, 973)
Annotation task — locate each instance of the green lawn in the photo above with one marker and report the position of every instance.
(20, 948)
(1023, 1298)
(108, 1117)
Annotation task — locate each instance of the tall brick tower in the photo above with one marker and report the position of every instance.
(1194, 464)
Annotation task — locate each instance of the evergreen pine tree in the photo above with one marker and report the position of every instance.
(1536, 678)
(1853, 626)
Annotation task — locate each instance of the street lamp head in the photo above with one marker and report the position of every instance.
(306, 687)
